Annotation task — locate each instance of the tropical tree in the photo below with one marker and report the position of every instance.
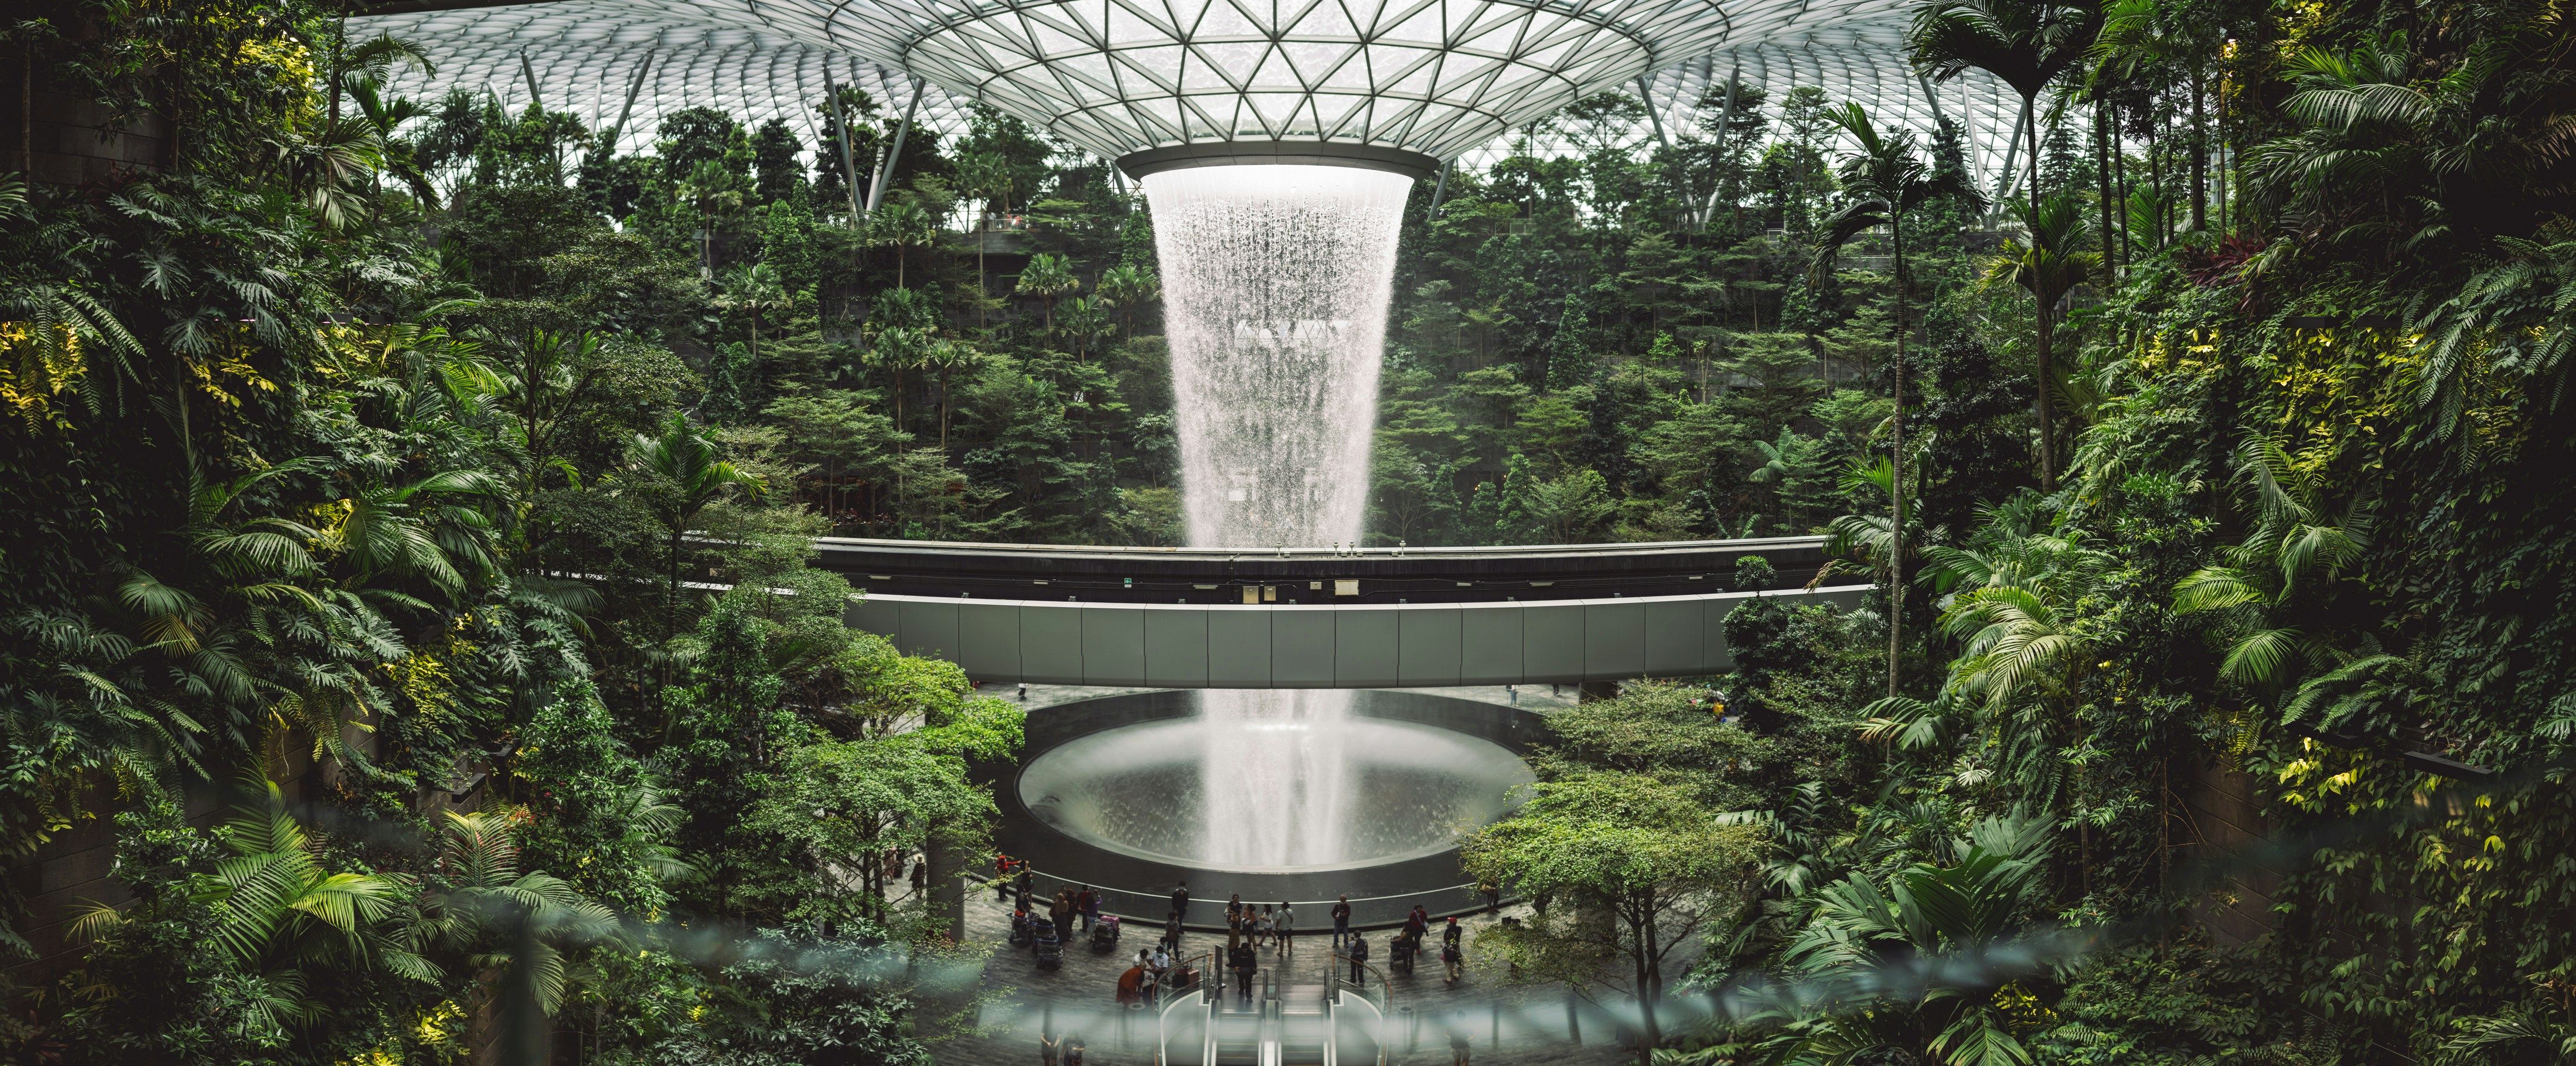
(2026, 44)
(481, 904)
(1047, 277)
(1883, 182)
(1642, 868)
(2301, 540)
(1906, 969)
(684, 476)
(755, 291)
(2049, 262)
(1128, 287)
(901, 225)
(281, 912)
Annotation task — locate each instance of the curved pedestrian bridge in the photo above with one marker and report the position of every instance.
(1291, 618)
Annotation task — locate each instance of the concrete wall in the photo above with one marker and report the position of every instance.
(1376, 646)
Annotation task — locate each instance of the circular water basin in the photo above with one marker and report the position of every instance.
(1270, 787)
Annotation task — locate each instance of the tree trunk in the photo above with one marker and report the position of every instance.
(1648, 1034)
(2199, 158)
(2047, 443)
(2102, 186)
(1896, 465)
(2047, 468)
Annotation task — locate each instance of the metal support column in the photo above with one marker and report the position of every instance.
(841, 122)
(1725, 118)
(876, 190)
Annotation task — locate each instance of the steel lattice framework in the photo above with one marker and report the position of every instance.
(1444, 78)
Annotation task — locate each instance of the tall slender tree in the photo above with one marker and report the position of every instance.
(2026, 44)
(1884, 180)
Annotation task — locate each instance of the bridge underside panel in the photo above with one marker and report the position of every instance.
(1360, 646)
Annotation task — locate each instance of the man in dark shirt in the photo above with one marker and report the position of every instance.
(1245, 961)
(1181, 900)
(1359, 956)
(1341, 920)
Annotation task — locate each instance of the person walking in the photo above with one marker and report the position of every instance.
(1001, 878)
(1022, 883)
(1458, 1044)
(1341, 920)
(1181, 900)
(920, 874)
(1359, 960)
(1451, 959)
(1073, 1050)
(1286, 927)
(1416, 924)
(1089, 903)
(1262, 925)
(1049, 1048)
(1245, 960)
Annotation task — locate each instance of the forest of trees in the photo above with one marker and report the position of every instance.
(412, 440)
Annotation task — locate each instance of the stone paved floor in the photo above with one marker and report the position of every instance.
(1509, 1026)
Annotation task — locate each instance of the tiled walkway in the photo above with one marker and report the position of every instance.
(1507, 1025)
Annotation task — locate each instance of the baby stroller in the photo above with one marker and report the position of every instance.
(1050, 948)
(1104, 933)
(1401, 957)
(1020, 935)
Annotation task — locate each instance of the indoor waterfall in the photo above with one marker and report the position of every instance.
(1276, 281)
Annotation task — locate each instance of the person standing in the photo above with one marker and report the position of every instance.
(1048, 1048)
(1246, 960)
(1359, 959)
(1341, 921)
(1416, 924)
(1286, 927)
(1457, 1044)
(920, 873)
(1451, 959)
(1131, 985)
(1073, 1050)
(1060, 911)
(1181, 900)
(1172, 931)
(1001, 878)
(1262, 926)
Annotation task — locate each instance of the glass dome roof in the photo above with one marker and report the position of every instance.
(1443, 78)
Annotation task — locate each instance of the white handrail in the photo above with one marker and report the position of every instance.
(1163, 1026)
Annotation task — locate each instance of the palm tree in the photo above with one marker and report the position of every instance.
(1884, 180)
(2048, 266)
(901, 225)
(691, 477)
(1901, 958)
(2025, 44)
(1127, 287)
(282, 913)
(2300, 540)
(948, 357)
(486, 906)
(1047, 277)
(755, 290)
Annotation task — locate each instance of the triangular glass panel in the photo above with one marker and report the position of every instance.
(1087, 16)
(1331, 109)
(1417, 83)
(1235, 60)
(1275, 73)
(1274, 110)
(1326, 21)
(1315, 60)
(1126, 26)
(1199, 74)
(1056, 42)
(1352, 74)
(1224, 21)
(1161, 64)
(1422, 27)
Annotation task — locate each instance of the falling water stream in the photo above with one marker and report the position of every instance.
(1276, 281)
